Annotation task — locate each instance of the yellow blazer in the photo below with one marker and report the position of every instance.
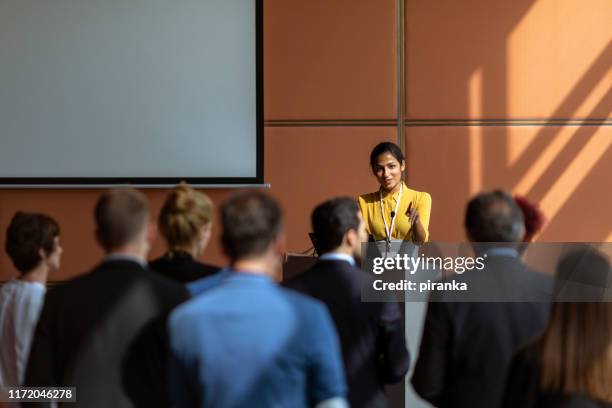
(371, 212)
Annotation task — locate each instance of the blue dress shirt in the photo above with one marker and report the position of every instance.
(246, 342)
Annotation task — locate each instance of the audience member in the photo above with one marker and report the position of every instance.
(185, 222)
(570, 364)
(371, 334)
(467, 346)
(32, 243)
(248, 342)
(88, 324)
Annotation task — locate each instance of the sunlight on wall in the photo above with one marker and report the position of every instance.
(545, 159)
(475, 140)
(574, 174)
(558, 42)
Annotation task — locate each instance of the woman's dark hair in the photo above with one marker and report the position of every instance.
(332, 219)
(575, 347)
(385, 147)
(26, 235)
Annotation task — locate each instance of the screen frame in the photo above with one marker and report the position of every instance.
(160, 182)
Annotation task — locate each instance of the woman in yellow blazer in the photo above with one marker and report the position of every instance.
(394, 212)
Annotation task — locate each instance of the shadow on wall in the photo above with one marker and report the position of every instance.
(474, 66)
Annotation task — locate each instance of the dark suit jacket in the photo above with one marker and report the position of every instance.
(181, 267)
(523, 386)
(466, 347)
(371, 334)
(87, 328)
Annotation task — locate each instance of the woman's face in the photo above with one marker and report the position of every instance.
(55, 257)
(388, 171)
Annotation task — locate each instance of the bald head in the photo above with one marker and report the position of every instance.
(121, 218)
(494, 217)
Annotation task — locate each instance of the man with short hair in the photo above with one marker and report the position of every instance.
(245, 341)
(32, 243)
(88, 324)
(371, 334)
(467, 345)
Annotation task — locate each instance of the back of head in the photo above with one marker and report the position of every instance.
(577, 342)
(494, 217)
(182, 216)
(121, 218)
(332, 219)
(26, 235)
(584, 266)
(251, 222)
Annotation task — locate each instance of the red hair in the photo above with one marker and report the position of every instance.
(534, 218)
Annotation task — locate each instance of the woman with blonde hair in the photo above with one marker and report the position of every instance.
(185, 222)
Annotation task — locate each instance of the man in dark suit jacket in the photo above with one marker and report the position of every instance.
(89, 326)
(371, 334)
(467, 343)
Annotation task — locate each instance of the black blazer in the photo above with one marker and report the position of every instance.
(466, 347)
(371, 334)
(523, 386)
(88, 326)
(181, 267)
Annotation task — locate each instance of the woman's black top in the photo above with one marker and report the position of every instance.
(181, 267)
(523, 386)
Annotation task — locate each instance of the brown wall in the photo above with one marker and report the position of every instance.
(536, 69)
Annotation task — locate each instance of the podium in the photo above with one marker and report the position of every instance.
(295, 264)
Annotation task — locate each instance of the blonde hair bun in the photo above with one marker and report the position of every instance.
(184, 212)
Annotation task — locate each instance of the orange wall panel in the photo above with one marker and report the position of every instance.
(330, 59)
(563, 168)
(520, 59)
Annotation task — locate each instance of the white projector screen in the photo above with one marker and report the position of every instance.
(131, 91)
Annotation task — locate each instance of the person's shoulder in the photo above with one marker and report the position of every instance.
(63, 292)
(329, 266)
(368, 198)
(327, 271)
(207, 270)
(302, 303)
(164, 283)
(421, 196)
(207, 283)
(161, 261)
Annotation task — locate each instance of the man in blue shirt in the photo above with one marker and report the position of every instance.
(247, 342)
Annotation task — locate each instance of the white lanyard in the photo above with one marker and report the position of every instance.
(393, 215)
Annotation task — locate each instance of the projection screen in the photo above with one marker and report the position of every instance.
(131, 91)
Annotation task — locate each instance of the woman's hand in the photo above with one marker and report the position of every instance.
(413, 215)
(418, 232)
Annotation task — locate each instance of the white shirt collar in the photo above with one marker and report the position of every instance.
(502, 252)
